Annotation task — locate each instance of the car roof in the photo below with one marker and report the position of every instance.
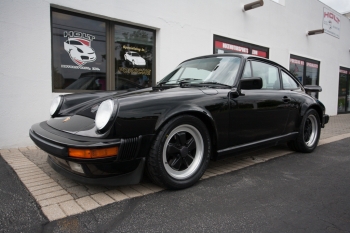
(242, 55)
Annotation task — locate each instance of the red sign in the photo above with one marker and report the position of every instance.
(236, 48)
(343, 71)
(312, 65)
(295, 61)
(259, 53)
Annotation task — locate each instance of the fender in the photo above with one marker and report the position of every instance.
(195, 110)
(306, 106)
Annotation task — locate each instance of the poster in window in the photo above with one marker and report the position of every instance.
(133, 58)
(79, 52)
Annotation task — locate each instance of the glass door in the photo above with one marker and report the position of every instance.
(344, 91)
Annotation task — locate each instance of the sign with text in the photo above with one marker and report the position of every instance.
(331, 23)
(259, 53)
(222, 45)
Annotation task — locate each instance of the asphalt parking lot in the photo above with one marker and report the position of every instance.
(290, 193)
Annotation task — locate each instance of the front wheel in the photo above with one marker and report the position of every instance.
(309, 133)
(180, 153)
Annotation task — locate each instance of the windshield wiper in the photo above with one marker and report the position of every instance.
(188, 79)
(184, 80)
(216, 83)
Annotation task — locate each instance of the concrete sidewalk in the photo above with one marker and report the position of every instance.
(59, 197)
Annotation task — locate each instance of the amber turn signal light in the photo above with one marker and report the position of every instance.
(93, 153)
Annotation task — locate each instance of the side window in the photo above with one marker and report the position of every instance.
(288, 82)
(247, 70)
(268, 73)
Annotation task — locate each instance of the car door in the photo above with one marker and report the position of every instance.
(259, 114)
(293, 89)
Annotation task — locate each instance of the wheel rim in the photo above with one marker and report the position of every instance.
(183, 152)
(310, 130)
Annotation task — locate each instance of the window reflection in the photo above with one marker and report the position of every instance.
(134, 50)
(79, 52)
(306, 70)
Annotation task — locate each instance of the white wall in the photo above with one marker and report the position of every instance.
(185, 29)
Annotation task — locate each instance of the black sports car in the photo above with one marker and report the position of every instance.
(207, 108)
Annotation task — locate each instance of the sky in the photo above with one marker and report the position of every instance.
(339, 5)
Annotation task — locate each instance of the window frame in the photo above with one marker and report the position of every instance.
(307, 60)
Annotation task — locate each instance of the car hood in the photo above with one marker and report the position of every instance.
(78, 112)
(86, 104)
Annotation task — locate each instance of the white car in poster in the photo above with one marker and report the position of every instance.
(79, 52)
(134, 58)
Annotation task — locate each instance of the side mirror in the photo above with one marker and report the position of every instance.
(312, 88)
(251, 83)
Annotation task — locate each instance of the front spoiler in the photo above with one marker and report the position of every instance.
(133, 177)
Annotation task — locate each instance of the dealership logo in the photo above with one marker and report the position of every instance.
(330, 15)
(78, 46)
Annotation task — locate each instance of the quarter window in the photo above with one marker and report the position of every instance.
(288, 82)
(247, 70)
(269, 75)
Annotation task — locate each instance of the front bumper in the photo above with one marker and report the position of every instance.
(125, 168)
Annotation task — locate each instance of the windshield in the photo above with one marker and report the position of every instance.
(221, 70)
(135, 54)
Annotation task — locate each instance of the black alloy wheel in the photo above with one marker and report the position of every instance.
(309, 133)
(180, 153)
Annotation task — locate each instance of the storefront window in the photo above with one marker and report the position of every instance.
(296, 67)
(226, 45)
(78, 52)
(134, 52)
(311, 77)
(306, 70)
(83, 61)
(344, 90)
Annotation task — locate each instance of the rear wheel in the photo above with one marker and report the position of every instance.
(309, 133)
(180, 153)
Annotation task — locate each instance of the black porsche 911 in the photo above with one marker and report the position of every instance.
(208, 107)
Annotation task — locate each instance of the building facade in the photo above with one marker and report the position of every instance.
(69, 46)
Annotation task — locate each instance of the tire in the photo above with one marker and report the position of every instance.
(309, 133)
(180, 153)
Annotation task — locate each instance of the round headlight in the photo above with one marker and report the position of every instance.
(55, 105)
(104, 114)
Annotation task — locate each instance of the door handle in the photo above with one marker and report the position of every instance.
(286, 99)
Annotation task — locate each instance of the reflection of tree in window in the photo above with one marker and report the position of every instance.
(297, 71)
(311, 76)
(138, 35)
